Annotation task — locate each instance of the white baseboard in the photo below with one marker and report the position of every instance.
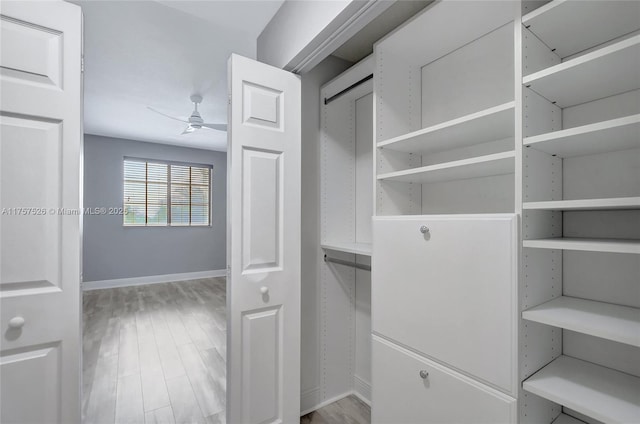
(326, 402)
(151, 279)
(362, 389)
(309, 399)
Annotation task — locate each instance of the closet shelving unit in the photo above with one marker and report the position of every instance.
(440, 125)
(581, 208)
(346, 191)
(445, 176)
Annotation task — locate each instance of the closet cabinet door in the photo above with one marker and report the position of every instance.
(408, 389)
(446, 286)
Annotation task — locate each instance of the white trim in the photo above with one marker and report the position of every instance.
(362, 389)
(327, 402)
(309, 399)
(151, 279)
(367, 13)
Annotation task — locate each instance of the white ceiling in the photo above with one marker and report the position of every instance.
(158, 53)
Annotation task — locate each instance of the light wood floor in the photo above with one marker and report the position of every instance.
(349, 410)
(157, 354)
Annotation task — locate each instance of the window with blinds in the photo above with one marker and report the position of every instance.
(166, 193)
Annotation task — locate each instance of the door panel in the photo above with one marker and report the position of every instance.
(43, 64)
(29, 244)
(263, 254)
(18, 400)
(450, 292)
(261, 383)
(262, 202)
(40, 199)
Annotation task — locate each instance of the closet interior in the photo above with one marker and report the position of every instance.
(497, 148)
(346, 210)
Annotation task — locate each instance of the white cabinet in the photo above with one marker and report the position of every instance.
(411, 390)
(511, 131)
(445, 240)
(445, 285)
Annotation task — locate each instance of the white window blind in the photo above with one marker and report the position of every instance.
(165, 193)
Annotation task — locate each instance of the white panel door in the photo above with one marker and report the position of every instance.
(263, 254)
(40, 170)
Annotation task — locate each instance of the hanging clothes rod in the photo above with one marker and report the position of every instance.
(351, 87)
(347, 263)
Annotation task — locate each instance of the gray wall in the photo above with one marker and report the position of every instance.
(111, 251)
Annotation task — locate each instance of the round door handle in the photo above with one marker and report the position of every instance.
(16, 322)
(264, 289)
(424, 229)
(424, 374)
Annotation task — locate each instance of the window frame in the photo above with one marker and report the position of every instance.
(168, 163)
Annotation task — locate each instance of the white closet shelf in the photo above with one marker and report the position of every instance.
(481, 166)
(585, 204)
(598, 392)
(453, 24)
(605, 72)
(566, 419)
(495, 123)
(605, 320)
(607, 136)
(584, 244)
(357, 248)
(570, 27)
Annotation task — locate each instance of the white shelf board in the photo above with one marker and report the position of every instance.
(598, 392)
(491, 124)
(570, 27)
(605, 72)
(566, 419)
(607, 136)
(585, 204)
(589, 245)
(482, 166)
(357, 248)
(454, 24)
(605, 320)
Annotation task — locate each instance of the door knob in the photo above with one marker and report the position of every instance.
(16, 322)
(264, 289)
(424, 374)
(424, 229)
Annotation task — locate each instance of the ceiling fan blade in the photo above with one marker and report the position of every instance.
(188, 130)
(218, 127)
(164, 114)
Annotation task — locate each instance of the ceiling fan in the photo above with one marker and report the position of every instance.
(195, 121)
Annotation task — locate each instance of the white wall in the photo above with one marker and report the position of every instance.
(311, 252)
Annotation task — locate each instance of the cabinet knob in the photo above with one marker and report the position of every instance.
(424, 374)
(424, 229)
(16, 322)
(264, 289)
